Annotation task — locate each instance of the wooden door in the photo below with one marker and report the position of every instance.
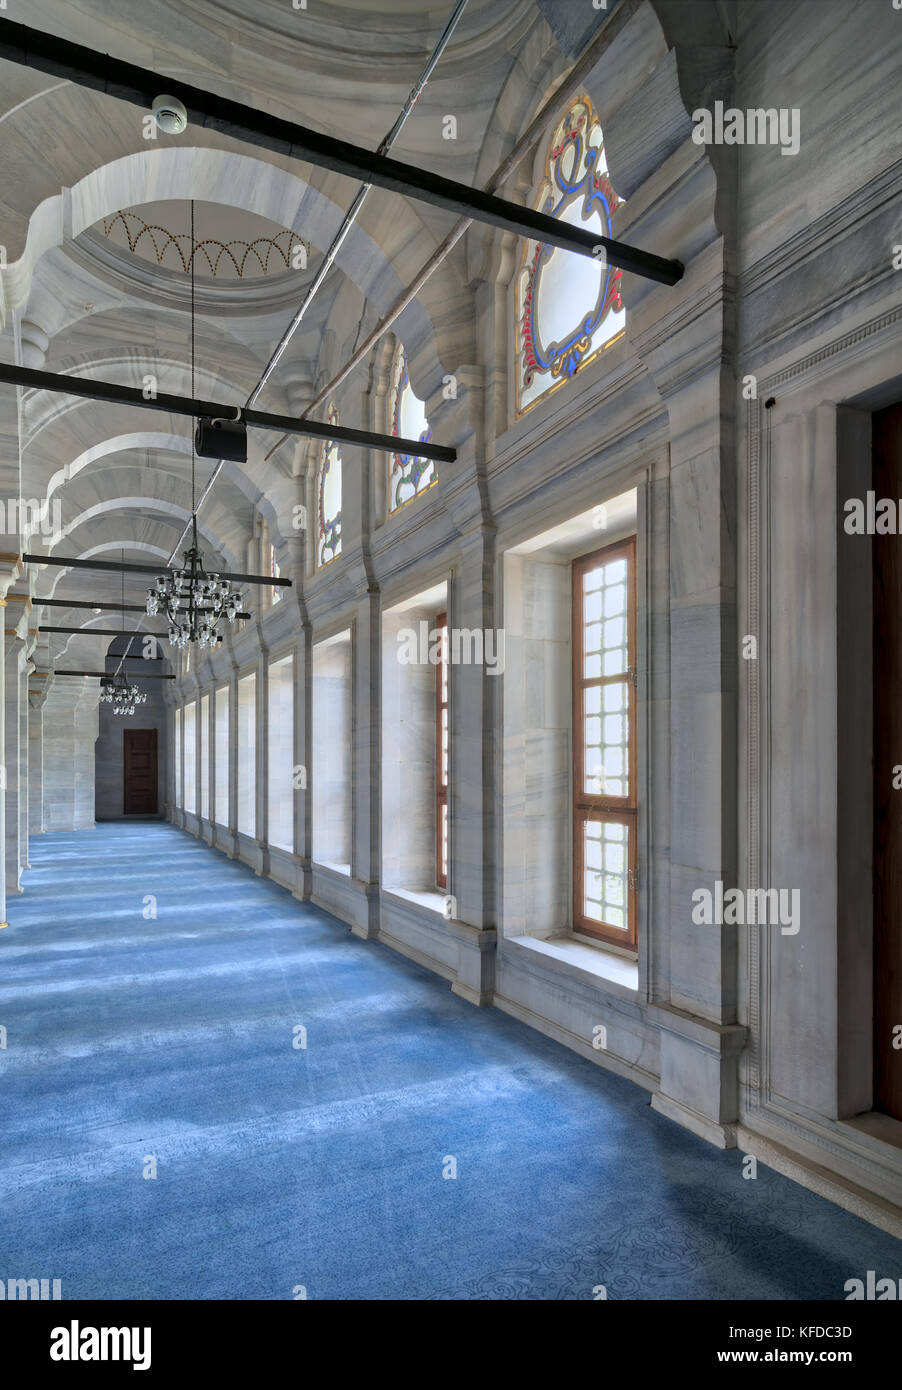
(887, 447)
(140, 764)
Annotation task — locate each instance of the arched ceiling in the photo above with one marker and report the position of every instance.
(91, 287)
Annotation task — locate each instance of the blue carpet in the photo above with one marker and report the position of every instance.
(322, 1167)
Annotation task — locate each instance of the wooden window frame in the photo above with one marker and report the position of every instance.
(442, 677)
(619, 810)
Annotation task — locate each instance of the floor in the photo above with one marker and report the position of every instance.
(144, 1033)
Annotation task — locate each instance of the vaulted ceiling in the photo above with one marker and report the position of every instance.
(94, 219)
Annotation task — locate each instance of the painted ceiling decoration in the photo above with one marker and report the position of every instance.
(236, 258)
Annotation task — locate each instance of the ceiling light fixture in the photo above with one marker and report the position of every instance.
(118, 691)
(193, 600)
(170, 115)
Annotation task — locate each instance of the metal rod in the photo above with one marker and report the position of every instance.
(119, 568)
(96, 606)
(108, 675)
(101, 631)
(351, 215)
(127, 82)
(350, 218)
(31, 379)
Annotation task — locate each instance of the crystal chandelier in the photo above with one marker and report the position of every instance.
(193, 600)
(121, 695)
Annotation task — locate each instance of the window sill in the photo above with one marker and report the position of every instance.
(430, 898)
(343, 869)
(583, 961)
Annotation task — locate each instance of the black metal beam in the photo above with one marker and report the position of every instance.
(102, 73)
(87, 603)
(119, 568)
(186, 405)
(104, 607)
(108, 675)
(110, 632)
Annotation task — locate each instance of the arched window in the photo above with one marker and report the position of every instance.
(328, 498)
(568, 306)
(409, 476)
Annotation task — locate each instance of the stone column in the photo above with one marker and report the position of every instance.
(366, 702)
(37, 694)
(27, 667)
(86, 728)
(70, 729)
(233, 763)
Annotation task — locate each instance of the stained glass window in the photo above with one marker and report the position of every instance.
(328, 498)
(604, 639)
(568, 306)
(409, 475)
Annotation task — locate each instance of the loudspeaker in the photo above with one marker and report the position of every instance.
(221, 439)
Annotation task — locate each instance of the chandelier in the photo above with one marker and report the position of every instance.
(193, 600)
(121, 695)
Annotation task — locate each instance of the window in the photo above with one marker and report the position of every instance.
(604, 739)
(281, 753)
(270, 565)
(179, 800)
(408, 476)
(332, 741)
(441, 756)
(328, 498)
(190, 759)
(568, 307)
(205, 757)
(221, 750)
(247, 755)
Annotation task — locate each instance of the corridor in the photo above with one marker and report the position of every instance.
(156, 998)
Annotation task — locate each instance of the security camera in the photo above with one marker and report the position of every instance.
(170, 115)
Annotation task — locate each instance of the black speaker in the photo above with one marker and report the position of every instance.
(221, 439)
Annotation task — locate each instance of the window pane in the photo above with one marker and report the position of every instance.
(606, 743)
(605, 883)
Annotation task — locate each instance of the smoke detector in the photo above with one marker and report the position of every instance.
(170, 115)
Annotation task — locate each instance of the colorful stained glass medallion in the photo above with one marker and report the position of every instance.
(328, 498)
(568, 306)
(409, 475)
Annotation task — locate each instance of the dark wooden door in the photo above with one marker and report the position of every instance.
(140, 760)
(887, 446)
